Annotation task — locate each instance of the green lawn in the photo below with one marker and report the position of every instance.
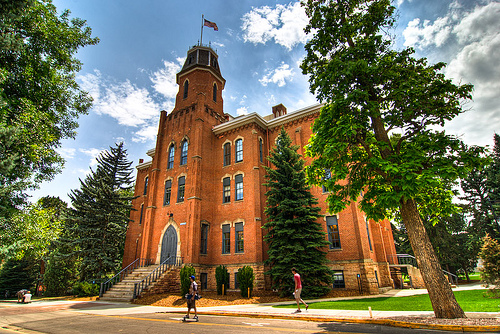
(469, 300)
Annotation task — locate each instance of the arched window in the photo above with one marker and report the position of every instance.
(215, 93)
(181, 188)
(239, 150)
(227, 154)
(171, 154)
(168, 192)
(226, 190)
(146, 185)
(186, 88)
(184, 152)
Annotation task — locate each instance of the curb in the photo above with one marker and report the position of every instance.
(384, 322)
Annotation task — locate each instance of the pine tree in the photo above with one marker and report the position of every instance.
(294, 235)
(490, 254)
(99, 215)
(493, 185)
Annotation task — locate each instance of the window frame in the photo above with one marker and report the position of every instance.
(238, 150)
(171, 157)
(338, 283)
(226, 239)
(227, 154)
(167, 193)
(146, 181)
(333, 233)
(186, 89)
(261, 150)
(214, 97)
(204, 239)
(238, 187)
(226, 190)
(181, 189)
(184, 152)
(239, 245)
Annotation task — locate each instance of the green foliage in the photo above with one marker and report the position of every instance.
(18, 274)
(369, 93)
(61, 273)
(294, 235)
(482, 191)
(245, 278)
(221, 277)
(185, 273)
(29, 232)
(86, 289)
(40, 99)
(490, 254)
(98, 220)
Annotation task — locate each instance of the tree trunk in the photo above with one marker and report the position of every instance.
(442, 298)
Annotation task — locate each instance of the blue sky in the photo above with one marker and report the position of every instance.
(131, 72)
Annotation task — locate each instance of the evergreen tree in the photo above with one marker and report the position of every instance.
(99, 215)
(490, 254)
(482, 192)
(294, 235)
(17, 274)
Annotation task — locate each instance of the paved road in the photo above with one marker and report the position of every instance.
(83, 318)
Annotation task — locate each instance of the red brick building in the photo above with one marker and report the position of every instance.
(201, 195)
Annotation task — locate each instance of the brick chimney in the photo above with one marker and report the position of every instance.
(279, 110)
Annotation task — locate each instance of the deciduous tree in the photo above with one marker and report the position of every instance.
(370, 93)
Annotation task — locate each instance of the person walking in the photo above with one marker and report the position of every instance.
(298, 290)
(191, 298)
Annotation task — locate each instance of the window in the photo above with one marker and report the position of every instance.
(180, 190)
(227, 154)
(146, 185)
(368, 233)
(238, 237)
(376, 277)
(184, 152)
(261, 150)
(204, 238)
(239, 150)
(168, 191)
(332, 227)
(226, 233)
(142, 211)
(204, 281)
(186, 89)
(327, 176)
(226, 190)
(215, 93)
(236, 284)
(238, 180)
(171, 154)
(338, 279)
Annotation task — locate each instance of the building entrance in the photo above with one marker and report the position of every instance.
(169, 245)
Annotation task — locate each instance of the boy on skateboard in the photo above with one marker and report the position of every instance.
(191, 302)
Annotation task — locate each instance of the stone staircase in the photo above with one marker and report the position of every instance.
(168, 282)
(124, 290)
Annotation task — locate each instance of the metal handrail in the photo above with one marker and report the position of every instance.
(123, 273)
(156, 273)
(451, 277)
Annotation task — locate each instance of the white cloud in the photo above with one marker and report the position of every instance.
(134, 106)
(472, 38)
(284, 23)
(242, 111)
(66, 153)
(164, 79)
(92, 153)
(278, 76)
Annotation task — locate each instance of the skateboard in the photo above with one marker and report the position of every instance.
(189, 320)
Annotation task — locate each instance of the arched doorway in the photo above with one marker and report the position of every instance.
(169, 245)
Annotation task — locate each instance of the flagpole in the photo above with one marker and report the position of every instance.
(201, 38)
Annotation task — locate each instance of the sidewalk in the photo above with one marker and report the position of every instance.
(319, 315)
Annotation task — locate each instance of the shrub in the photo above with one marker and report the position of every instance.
(185, 273)
(86, 289)
(490, 253)
(221, 277)
(245, 280)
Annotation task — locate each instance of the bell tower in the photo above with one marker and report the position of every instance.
(200, 80)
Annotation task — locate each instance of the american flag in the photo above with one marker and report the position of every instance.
(211, 24)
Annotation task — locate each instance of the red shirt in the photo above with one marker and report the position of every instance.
(298, 283)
